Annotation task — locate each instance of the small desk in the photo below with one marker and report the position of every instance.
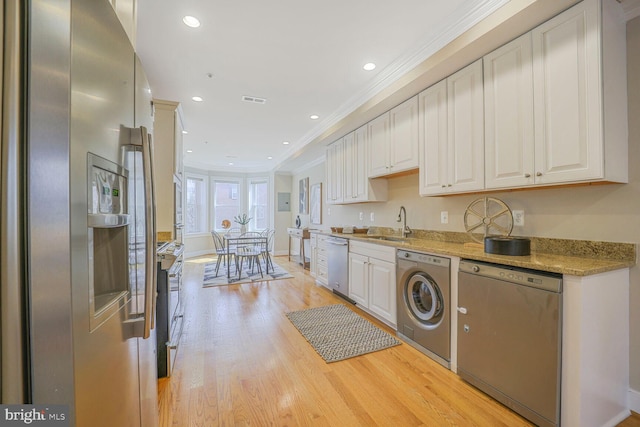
(301, 234)
(231, 242)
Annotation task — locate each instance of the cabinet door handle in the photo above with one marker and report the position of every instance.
(527, 175)
(462, 310)
(538, 173)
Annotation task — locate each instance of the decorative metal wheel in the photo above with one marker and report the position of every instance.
(488, 217)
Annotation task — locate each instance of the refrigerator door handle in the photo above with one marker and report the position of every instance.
(150, 232)
(143, 324)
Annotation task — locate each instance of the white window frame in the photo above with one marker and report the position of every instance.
(204, 209)
(215, 224)
(259, 180)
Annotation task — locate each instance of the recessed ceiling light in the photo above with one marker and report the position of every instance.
(369, 66)
(285, 142)
(314, 117)
(184, 132)
(230, 163)
(191, 21)
(197, 98)
(270, 158)
(189, 151)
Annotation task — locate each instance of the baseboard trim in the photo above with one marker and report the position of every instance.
(192, 254)
(634, 400)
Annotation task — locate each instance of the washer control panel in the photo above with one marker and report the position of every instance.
(424, 258)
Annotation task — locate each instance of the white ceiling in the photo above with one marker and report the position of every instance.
(304, 58)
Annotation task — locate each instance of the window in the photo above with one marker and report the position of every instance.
(226, 201)
(196, 205)
(259, 203)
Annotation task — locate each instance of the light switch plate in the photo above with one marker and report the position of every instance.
(372, 217)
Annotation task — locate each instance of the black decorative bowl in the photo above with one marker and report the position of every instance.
(516, 246)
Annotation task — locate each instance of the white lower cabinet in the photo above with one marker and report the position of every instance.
(319, 258)
(372, 279)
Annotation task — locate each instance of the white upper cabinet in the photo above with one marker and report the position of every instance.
(466, 129)
(378, 131)
(393, 140)
(546, 98)
(403, 126)
(168, 165)
(335, 172)
(433, 139)
(574, 55)
(355, 154)
(508, 101)
(167, 137)
(347, 171)
(451, 132)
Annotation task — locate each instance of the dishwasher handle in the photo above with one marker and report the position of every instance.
(338, 242)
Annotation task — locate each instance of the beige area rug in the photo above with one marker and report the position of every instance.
(247, 276)
(337, 333)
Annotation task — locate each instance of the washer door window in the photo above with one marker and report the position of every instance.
(424, 300)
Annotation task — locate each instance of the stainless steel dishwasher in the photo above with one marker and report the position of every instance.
(338, 266)
(509, 337)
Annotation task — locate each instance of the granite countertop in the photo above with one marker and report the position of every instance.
(571, 257)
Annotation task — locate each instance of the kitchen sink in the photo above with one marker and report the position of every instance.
(388, 238)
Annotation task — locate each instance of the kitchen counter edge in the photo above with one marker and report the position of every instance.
(551, 262)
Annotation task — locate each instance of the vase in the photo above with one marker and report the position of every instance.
(243, 228)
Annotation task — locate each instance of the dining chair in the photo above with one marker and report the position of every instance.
(251, 251)
(223, 255)
(268, 248)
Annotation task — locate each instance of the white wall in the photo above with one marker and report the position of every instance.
(282, 220)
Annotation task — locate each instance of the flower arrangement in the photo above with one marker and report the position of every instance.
(242, 219)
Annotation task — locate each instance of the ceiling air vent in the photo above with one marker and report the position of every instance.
(253, 99)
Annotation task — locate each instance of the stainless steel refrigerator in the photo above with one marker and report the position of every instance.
(77, 243)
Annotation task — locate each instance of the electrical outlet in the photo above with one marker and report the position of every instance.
(361, 216)
(372, 217)
(329, 211)
(518, 218)
(444, 217)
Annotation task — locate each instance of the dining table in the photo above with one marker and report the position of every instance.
(232, 243)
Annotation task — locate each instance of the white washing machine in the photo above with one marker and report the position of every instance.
(423, 289)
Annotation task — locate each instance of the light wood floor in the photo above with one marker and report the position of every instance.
(241, 362)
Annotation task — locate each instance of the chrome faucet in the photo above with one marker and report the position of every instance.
(405, 229)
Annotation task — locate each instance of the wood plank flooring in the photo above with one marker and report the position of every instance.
(242, 363)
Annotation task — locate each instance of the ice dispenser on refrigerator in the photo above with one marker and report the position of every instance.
(107, 222)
